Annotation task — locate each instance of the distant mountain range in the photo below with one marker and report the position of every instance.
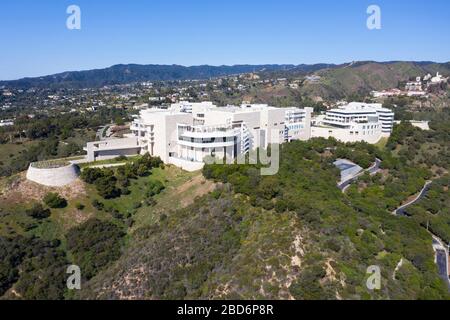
(122, 74)
(355, 76)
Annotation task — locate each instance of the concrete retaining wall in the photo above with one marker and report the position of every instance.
(53, 177)
(186, 165)
(343, 135)
(111, 154)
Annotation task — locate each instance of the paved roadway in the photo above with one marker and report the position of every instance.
(402, 210)
(442, 253)
(441, 261)
(375, 168)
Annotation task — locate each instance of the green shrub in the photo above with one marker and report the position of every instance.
(54, 200)
(90, 175)
(120, 158)
(154, 187)
(106, 187)
(37, 211)
(98, 205)
(94, 244)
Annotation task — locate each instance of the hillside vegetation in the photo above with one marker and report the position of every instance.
(353, 82)
(363, 77)
(292, 235)
(145, 230)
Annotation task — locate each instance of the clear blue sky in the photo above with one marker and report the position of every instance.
(35, 40)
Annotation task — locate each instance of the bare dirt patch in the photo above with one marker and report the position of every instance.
(19, 190)
(196, 187)
(72, 218)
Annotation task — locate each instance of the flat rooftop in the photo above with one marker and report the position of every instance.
(359, 107)
(348, 169)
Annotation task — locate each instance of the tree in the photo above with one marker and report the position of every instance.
(308, 286)
(54, 200)
(98, 205)
(37, 211)
(155, 187)
(119, 121)
(94, 244)
(268, 188)
(33, 266)
(142, 170)
(90, 175)
(106, 187)
(80, 206)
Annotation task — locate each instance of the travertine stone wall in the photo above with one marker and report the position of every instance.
(53, 177)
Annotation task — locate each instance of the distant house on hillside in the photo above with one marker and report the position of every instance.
(7, 122)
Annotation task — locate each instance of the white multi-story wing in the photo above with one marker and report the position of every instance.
(355, 122)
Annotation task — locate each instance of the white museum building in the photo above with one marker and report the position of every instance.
(186, 133)
(355, 122)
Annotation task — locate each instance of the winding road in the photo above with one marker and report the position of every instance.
(442, 252)
(401, 210)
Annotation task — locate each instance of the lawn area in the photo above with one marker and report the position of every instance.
(108, 161)
(382, 143)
